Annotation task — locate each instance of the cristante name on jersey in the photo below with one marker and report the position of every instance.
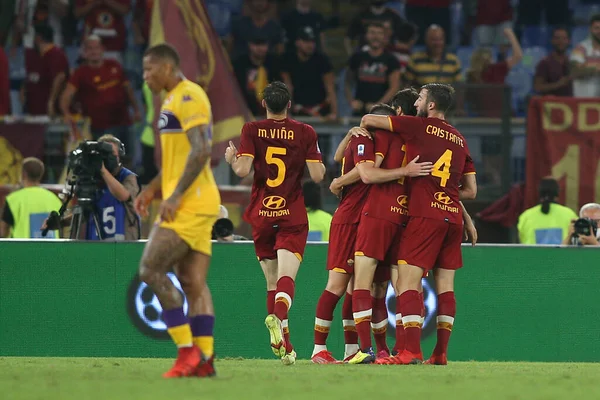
(444, 134)
(276, 133)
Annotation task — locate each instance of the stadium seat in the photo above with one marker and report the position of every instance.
(220, 13)
(16, 63)
(583, 12)
(72, 55)
(397, 6)
(533, 36)
(531, 57)
(344, 109)
(521, 82)
(579, 34)
(464, 56)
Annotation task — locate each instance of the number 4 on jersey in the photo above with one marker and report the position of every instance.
(441, 168)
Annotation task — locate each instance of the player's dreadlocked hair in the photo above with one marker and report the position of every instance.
(277, 97)
(382, 109)
(440, 94)
(163, 51)
(548, 191)
(405, 99)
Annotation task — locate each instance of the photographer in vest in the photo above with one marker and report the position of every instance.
(26, 208)
(114, 199)
(584, 231)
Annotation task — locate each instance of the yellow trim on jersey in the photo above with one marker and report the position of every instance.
(339, 270)
(402, 262)
(319, 161)
(298, 256)
(470, 173)
(391, 125)
(245, 154)
(380, 154)
(359, 253)
(363, 161)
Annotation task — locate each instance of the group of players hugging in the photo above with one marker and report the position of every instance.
(397, 220)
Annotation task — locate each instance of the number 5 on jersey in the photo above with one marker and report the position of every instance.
(271, 158)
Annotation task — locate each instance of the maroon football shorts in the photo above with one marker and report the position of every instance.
(340, 254)
(268, 239)
(379, 239)
(383, 272)
(430, 243)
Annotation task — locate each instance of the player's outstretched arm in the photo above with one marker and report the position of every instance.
(372, 121)
(197, 158)
(316, 171)
(468, 190)
(242, 164)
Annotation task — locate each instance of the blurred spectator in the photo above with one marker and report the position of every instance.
(375, 72)
(30, 13)
(47, 68)
(552, 74)
(308, 74)
(377, 12)
(105, 19)
(7, 15)
(26, 209)
(4, 84)
(548, 222)
(557, 12)
(425, 13)
(401, 48)
(257, 23)
(147, 138)
(585, 63)
(590, 211)
(104, 92)
(490, 19)
(435, 64)
(300, 17)
(142, 14)
(319, 221)
(254, 70)
(484, 70)
(487, 101)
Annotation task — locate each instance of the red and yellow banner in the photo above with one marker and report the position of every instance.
(185, 25)
(563, 141)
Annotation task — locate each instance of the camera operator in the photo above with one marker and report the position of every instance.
(114, 202)
(223, 228)
(584, 231)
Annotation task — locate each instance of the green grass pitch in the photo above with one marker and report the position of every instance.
(131, 379)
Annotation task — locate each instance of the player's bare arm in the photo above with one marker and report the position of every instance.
(373, 121)
(468, 190)
(196, 161)
(241, 165)
(339, 152)
(316, 170)
(147, 195)
(470, 230)
(372, 175)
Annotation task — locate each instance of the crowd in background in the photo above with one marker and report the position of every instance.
(61, 58)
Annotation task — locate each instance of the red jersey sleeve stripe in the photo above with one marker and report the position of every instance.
(244, 154)
(391, 124)
(319, 161)
(380, 154)
(470, 173)
(363, 161)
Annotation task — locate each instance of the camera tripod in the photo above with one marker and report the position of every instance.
(81, 216)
